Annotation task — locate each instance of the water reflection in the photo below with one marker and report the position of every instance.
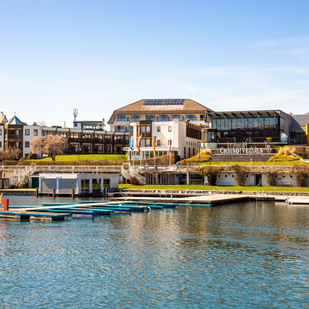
(243, 255)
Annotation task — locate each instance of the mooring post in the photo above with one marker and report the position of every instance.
(36, 192)
(6, 204)
(54, 192)
(73, 192)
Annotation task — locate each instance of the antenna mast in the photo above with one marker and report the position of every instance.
(75, 113)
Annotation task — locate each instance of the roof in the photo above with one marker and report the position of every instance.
(161, 106)
(246, 114)
(302, 120)
(299, 122)
(88, 121)
(3, 118)
(15, 120)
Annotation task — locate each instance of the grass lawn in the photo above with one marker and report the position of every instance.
(218, 188)
(93, 157)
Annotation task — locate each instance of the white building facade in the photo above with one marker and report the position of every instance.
(156, 138)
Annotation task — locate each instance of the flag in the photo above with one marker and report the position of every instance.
(154, 139)
(138, 143)
(170, 145)
(132, 143)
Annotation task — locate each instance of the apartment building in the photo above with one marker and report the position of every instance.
(81, 140)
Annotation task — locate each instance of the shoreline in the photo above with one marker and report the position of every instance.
(158, 191)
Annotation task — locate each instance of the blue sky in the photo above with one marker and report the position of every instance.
(97, 56)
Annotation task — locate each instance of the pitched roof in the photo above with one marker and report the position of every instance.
(299, 122)
(3, 118)
(15, 120)
(161, 106)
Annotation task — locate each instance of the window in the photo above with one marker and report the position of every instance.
(121, 118)
(0, 131)
(135, 118)
(35, 132)
(169, 128)
(191, 117)
(158, 142)
(163, 118)
(27, 144)
(27, 131)
(158, 129)
(0, 144)
(72, 135)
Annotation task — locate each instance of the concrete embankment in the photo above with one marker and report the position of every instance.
(29, 192)
(207, 197)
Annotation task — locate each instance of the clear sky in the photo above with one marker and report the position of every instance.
(99, 55)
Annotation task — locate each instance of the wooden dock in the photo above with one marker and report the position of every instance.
(26, 216)
(297, 201)
(59, 212)
(128, 204)
(211, 199)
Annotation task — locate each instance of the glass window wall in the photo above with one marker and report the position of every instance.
(245, 123)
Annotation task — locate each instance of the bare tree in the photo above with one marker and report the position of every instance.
(51, 145)
(12, 154)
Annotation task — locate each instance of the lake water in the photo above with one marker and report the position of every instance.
(248, 255)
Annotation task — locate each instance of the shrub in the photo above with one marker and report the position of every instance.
(10, 162)
(287, 150)
(272, 178)
(240, 174)
(302, 151)
(82, 163)
(211, 172)
(33, 156)
(160, 160)
(12, 154)
(283, 158)
(302, 174)
(203, 156)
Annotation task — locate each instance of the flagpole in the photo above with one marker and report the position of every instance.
(154, 151)
(170, 151)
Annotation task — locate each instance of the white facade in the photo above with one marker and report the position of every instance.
(30, 133)
(165, 132)
(85, 183)
(228, 179)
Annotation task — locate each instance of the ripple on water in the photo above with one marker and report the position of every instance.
(245, 256)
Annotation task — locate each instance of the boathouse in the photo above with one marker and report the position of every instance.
(78, 183)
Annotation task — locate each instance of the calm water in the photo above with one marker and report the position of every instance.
(249, 255)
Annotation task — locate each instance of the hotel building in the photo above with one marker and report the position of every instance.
(82, 139)
(164, 126)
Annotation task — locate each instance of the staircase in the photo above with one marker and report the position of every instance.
(129, 173)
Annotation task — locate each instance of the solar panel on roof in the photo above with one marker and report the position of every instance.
(164, 102)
